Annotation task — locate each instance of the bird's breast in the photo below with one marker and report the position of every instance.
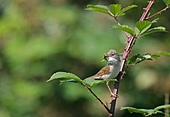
(114, 70)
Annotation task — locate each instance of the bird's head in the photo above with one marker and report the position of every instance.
(111, 56)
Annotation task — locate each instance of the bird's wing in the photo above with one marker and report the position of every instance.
(105, 70)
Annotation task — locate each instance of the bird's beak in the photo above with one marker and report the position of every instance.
(105, 57)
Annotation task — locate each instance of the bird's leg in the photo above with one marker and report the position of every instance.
(112, 94)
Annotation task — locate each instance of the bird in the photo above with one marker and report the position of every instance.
(111, 70)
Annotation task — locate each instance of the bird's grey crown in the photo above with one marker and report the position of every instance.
(112, 52)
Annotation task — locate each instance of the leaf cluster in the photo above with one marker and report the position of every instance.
(64, 77)
(141, 57)
(146, 112)
(142, 28)
(115, 10)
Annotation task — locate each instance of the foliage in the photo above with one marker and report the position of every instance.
(146, 112)
(38, 38)
(140, 57)
(69, 77)
(142, 28)
(115, 9)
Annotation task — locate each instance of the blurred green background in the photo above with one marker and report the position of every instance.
(41, 37)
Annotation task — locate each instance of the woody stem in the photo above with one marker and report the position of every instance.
(130, 43)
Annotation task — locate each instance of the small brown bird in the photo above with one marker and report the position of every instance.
(111, 70)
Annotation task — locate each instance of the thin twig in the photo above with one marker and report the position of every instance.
(97, 98)
(146, 10)
(118, 23)
(158, 13)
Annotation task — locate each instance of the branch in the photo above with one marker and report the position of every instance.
(97, 98)
(146, 10)
(115, 91)
(158, 13)
(118, 23)
(130, 43)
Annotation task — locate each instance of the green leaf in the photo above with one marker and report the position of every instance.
(65, 77)
(91, 82)
(137, 31)
(143, 26)
(71, 80)
(126, 9)
(140, 57)
(155, 56)
(162, 107)
(167, 2)
(155, 20)
(153, 30)
(145, 112)
(98, 8)
(115, 9)
(125, 28)
(141, 111)
(164, 53)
